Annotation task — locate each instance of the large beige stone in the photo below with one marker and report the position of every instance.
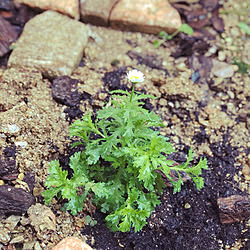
(52, 43)
(96, 11)
(149, 16)
(68, 7)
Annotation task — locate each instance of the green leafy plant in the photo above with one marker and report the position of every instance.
(90, 221)
(185, 28)
(122, 164)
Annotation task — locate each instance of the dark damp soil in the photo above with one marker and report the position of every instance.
(200, 111)
(188, 219)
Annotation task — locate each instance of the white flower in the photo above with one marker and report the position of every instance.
(135, 76)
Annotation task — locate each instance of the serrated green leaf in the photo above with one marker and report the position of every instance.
(145, 173)
(177, 184)
(77, 144)
(119, 91)
(75, 204)
(57, 176)
(50, 193)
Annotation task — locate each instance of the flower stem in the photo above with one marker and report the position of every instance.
(132, 92)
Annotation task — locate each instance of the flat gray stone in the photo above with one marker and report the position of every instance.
(92, 13)
(51, 43)
(222, 69)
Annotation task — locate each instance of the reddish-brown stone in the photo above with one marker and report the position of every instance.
(149, 16)
(72, 243)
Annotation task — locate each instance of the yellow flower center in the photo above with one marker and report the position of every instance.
(133, 78)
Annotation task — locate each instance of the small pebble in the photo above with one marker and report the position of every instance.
(212, 50)
(171, 104)
(182, 66)
(221, 69)
(4, 236)
(22, 144)
(163, 102)
(37, 246)
(231, 94)
(13, 128)
(218, 81)
(221, 56)
(18, 239)
(175, 139)
(177, 104)
(20, 176)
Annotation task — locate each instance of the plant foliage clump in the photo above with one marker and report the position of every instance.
(185, 28)
(119, 163)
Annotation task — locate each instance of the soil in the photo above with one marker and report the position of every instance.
(199, 110)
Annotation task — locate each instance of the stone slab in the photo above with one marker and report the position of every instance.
(149, 16)
(92, 13)
(68, 7)
(51, 43)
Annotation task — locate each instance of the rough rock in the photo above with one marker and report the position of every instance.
(92, 13)
(8, 169)
(202, 65)
(12, 221)
(72, 243)
(7, 35)
(222, 69)
(68, 7)
(4, 236)
(149, 16)
(234, 208)
(14, 200)
(51, 43)
(246, 172)
(42, 218)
